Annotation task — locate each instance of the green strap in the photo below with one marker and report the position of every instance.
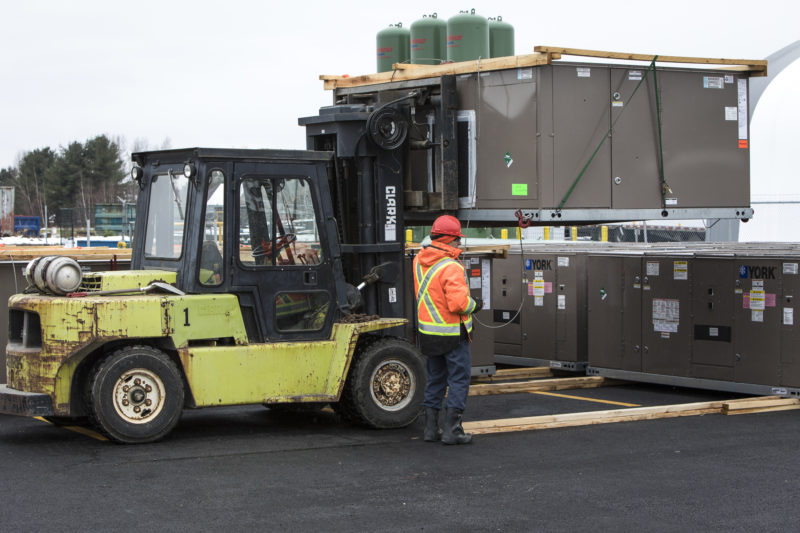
(664, 186)
(589, 162)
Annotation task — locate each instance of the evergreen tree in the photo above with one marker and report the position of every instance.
(30, 196)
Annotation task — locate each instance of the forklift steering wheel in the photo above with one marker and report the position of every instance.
(265, 248)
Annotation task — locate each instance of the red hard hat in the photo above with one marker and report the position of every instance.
(447, 225)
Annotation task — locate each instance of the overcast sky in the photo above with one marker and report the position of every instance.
(239, 73)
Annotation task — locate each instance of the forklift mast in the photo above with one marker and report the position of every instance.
(372, 183)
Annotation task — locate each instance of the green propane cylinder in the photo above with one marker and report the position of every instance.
(428, 40)
(467, 37)
(501, 38)
(393, 46)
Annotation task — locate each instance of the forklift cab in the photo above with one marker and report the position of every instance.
(255, 223)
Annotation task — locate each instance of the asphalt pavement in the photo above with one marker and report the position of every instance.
(252, 469)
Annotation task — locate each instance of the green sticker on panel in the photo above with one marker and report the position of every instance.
(519, 189)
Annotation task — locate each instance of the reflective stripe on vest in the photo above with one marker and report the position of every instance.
(438, 326)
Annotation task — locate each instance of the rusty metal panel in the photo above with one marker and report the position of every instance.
(12, 282)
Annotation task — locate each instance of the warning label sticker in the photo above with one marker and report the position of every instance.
(757, 300)
(680, 270)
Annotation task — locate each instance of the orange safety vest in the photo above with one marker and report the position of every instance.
(443, 300)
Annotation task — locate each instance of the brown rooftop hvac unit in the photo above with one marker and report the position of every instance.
(548, 141)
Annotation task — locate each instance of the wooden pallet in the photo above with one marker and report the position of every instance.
(543, 55)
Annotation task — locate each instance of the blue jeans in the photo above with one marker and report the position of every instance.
(452, 369)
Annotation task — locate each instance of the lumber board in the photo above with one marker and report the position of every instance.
(498, 250)
(509, 374)
(760, 405)
(543, 55)
(758, 67)
(26, 253)
(405, 72)
(507, 425)
(587, 382)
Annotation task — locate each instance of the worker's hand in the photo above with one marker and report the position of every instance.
(478, 305)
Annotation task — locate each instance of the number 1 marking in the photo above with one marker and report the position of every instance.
(186, 314)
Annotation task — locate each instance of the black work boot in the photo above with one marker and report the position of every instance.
(432, 431)
(452, 432)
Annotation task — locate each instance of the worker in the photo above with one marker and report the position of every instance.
(444, 322)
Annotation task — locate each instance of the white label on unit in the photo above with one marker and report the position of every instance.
(758, 284)
(652, 269)
(757, 316)
(474, 260)
(790, 268)
(564, 262)
(474, 283)
(506, 315)
(634, 75)
(584, 72)
(731, 113)
(486, 279)
(713, 82)
(742, 109)
(728, 78)
(666, 315)
(525, 74)
(392, 294)
(757, 301)
(680, 270)
(665, 327)
(562, 301)
(713, 332)
(538, 301)
(538, 287)
(671, 201)
(788, 316)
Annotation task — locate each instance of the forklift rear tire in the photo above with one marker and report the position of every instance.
(136, 395)
(385, 386)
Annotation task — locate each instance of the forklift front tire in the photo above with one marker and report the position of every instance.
(136, 395)
(385, 386)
